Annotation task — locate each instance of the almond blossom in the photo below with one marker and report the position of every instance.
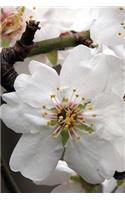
(11, 22)
(109, 27)
(76, 115)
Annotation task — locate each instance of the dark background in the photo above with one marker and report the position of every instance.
(9, 140)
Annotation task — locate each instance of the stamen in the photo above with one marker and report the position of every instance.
(57, 131)
(60, 118)
(89, 107)
(49, 115)
(73, 135)
(56, 102)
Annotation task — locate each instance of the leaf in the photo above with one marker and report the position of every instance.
(53, 57)
(5, 43)
(65, 136)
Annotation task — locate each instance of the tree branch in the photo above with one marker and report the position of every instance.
(9, 56)
(60, 43)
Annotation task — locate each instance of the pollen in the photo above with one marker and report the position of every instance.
(30, 17)
(45, 113)
(89, 107)
(53, 96)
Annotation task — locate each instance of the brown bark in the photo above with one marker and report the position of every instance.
(18, 52)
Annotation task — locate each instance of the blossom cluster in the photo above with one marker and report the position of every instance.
(77, 116)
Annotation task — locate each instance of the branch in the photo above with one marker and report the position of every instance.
(9, 56)
(71, 39)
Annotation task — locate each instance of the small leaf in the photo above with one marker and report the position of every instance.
(53, 57)
(75, 178)
(65, 136)
(120, 182)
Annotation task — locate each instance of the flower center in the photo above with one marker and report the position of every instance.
(68, 115)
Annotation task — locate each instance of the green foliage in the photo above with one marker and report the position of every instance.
(53, 57)
(65, 136)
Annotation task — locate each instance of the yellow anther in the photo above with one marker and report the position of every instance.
(119, 34)
(30, 17)
(74, 90)
(60, 118)
(53, 96)
(94, 115)
(65, 99)
(121, 8)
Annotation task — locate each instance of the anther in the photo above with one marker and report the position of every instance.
(44, 107)
(74, 90)
(121, 8)
(53, 96)
(30, 17)
(94, 115)
(60, 118)
(119, 34)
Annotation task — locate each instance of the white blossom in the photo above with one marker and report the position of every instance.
(109, 27)
(78, 110)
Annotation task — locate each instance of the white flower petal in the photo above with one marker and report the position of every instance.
(119, 51)
(36, 156)
(85, 72)
(68, 188)
(20, 117)
(61, 175)
(107, 28)
(109, 185)
(43, 83)
(74, 71)
(84, 19)
(92, 158)
(117, 75)
(110, 109)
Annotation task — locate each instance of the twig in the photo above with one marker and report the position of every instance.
(18, 52)
(70, 40)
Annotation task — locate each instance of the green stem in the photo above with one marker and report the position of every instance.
(10, 183)
(62, 42)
